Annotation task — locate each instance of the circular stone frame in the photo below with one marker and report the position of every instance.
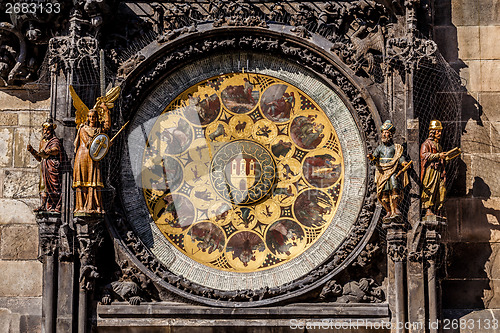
(362, 125)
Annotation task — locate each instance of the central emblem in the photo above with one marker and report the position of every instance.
(243, 172)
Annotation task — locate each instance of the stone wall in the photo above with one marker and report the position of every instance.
(21, 114)
(468, 33)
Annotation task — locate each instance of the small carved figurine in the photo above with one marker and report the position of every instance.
(390, 176)
(126, 288)
(433, 174)
(364, 291)
(87, 179)
(50, 156)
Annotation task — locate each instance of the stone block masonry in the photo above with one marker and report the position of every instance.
(473, 236)
(21, 114)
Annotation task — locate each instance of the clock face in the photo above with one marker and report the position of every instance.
(242, 172)
(245, 181)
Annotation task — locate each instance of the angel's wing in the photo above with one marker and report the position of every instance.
(81, 109)
(108, 99)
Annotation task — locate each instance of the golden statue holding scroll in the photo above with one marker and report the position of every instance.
(433, 173)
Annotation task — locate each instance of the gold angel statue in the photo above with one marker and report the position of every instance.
(87, 180)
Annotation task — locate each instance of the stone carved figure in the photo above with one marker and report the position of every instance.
(389, 160)
(433, 173)
(127, 287)
(364, 291)
(50, 158)
(87, 179)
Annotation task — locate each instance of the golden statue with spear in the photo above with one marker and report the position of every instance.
(91, 145)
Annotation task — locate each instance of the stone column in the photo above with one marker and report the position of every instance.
(89, 232)
(48, 231)
(433, 225)
(396, 251)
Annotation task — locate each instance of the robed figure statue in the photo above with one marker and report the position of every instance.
(50, 156)
(87, 178)
(433, 173)
(390, 174)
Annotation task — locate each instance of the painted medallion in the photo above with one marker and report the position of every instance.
(242, 172)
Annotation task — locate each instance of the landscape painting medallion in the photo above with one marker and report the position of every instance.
(242, 172)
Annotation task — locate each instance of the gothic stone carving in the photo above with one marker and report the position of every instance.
(89, 234)
(24, 36)
(363, 291)
(366, 255)
(396, 239)
(48, 231)
(359, 29)
(68, 52)
(433, 226)
(133, 94)
(409, 51)
(397, 252)
(359, 34)
(129, 286)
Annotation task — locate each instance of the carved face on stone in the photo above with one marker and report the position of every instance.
(93, 118)
(436, 135)
(386, 136)
(47, 131)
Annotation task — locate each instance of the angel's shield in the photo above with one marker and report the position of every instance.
(99, 147)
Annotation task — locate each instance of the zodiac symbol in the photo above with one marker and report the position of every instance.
(241, 126)
(218, 132)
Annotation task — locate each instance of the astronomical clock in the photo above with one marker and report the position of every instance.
(245, 177)
(228, 173)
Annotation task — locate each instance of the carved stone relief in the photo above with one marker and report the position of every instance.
(363, 291)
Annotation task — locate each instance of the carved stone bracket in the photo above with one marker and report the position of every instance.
(129, 286)
(89, 232)
(363, 291)
(48, 230)
(425, 239)
(396, 239)
(409, 51)
(433, 225)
